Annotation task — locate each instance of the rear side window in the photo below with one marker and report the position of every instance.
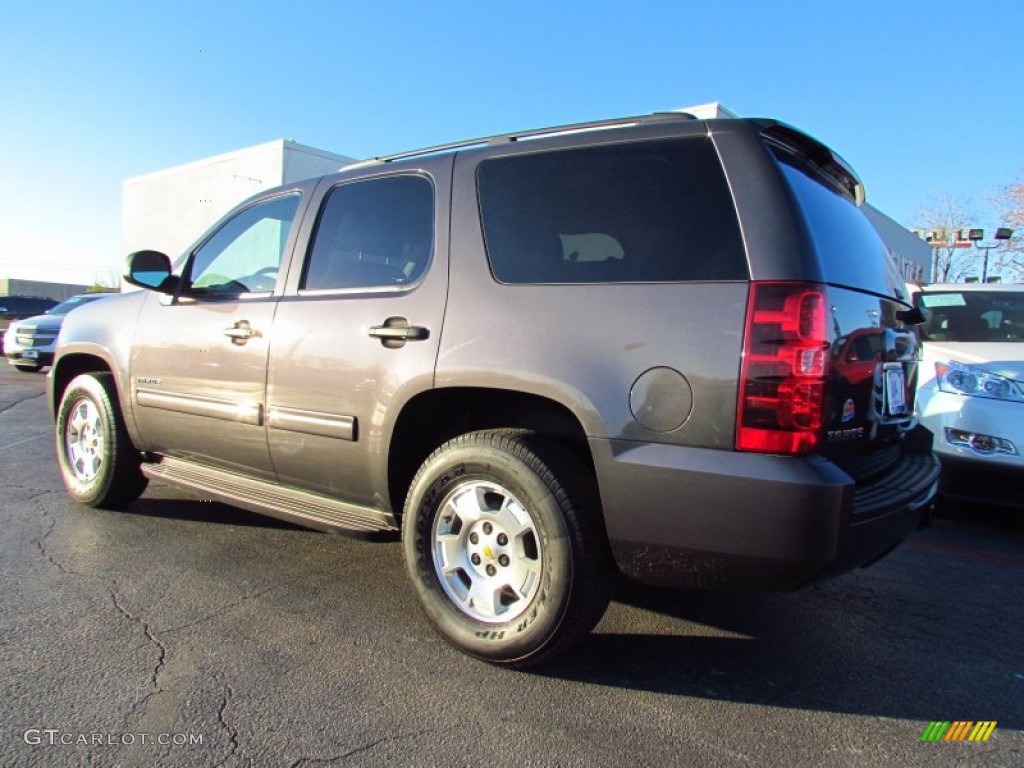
(373, 233)
(656, 211)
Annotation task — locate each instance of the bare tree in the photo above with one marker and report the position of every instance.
(1009, 259)
(945, 215)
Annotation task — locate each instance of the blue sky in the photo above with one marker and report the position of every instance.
(920, 97)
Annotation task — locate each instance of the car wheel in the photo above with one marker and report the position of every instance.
(98, 463)
(504, 543)
(29, 368)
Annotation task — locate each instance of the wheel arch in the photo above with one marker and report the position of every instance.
(69, 366)
(437, 415)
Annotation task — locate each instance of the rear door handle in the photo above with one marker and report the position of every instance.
(396, 331)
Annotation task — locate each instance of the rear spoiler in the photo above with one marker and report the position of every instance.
(810, 154)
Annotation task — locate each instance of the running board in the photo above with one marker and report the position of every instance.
(266, 498)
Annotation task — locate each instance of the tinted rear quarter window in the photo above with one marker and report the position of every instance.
(656, 211)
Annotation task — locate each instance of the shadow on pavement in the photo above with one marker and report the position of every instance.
(835, 648)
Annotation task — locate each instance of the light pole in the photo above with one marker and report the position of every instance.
(976, 235)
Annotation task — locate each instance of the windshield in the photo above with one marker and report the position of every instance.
(75, 301)
(996, 316)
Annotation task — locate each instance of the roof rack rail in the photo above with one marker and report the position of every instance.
(536, 133)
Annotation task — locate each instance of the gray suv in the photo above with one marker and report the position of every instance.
(667, 346)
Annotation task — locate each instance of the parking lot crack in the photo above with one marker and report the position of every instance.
(18, 402)
(311, 761)
(160, 647)
(41, 542)
(232, 732)
(302, 762)
(228, 607)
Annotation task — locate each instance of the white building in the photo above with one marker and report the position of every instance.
(911, 255)
(713, 110)
(168, 210)
(12, 286)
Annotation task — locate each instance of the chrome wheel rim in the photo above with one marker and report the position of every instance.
(487, 552)
(84, 440)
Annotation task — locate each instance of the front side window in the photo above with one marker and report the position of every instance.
(653, 211)
(371, 234)
(245, 254)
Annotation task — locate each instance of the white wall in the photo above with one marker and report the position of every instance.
(912, 256)
(302, 162)
(170, 209)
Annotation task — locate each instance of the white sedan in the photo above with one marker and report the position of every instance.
(971, 388)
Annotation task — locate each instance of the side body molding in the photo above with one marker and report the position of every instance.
(195, 405)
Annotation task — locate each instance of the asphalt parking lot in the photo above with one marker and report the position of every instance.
(185, 633)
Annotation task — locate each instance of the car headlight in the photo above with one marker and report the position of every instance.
(961, 379)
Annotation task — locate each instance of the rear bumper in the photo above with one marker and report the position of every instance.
(692, 517)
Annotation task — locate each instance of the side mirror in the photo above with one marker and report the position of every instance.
(151, 269)
(913, 316)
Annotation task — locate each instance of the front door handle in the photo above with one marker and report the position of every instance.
(241, 332)
(396, 331)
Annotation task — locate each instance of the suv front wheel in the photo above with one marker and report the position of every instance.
(98, 463)
(505, 547)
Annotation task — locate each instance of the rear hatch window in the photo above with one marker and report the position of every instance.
(850, 251)
(873, 358)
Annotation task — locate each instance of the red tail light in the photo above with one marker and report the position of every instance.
(785, 367)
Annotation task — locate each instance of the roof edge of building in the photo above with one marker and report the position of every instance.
(224, 157)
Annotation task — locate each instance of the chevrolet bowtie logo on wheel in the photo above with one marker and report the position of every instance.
(958, 730)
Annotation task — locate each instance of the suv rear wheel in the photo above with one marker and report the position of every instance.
(98, 463)
(504, 545)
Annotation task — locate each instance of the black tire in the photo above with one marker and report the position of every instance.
(98, 463)
(535, 511)
(30, 368)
